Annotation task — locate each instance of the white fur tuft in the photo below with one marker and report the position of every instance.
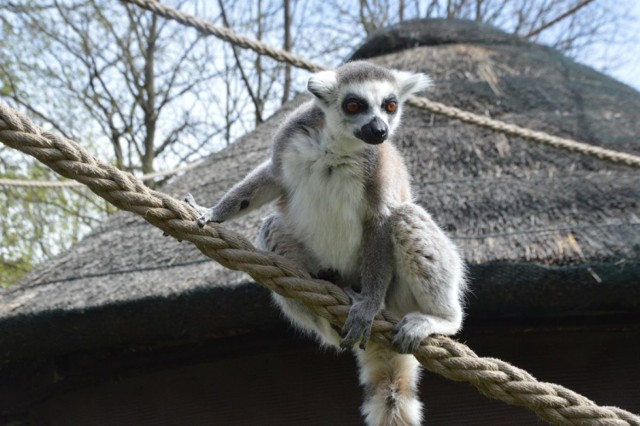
(323, 85)
(405, 411)
(410, 83)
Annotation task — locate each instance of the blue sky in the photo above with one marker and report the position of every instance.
(630, 72)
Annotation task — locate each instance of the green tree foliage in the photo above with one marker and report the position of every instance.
(38, 223)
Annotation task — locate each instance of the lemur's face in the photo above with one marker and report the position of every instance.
(370, 111)
(364, 101)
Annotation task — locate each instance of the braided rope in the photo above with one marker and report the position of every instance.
(528, 134)
(25, 183)
(281, 55)
(441, 355)
(227, 34)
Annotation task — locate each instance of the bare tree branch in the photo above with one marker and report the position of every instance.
(243, 75)
(559, 18)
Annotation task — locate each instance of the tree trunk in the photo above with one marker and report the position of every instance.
(258, 65)
(286, 86)
(150, 114)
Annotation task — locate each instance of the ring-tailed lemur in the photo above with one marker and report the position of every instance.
(344, 210)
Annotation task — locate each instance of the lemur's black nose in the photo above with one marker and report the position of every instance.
(378, 128)
(374, 132)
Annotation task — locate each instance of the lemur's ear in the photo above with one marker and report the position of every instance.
(323, 85)
(410, 83)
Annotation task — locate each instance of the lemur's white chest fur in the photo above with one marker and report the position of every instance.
(326, 202)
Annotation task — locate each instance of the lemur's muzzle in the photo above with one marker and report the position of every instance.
(374, 132)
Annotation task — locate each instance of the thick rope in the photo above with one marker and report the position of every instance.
(25, 183)
(227, 34)
(441, 355)
(528, 134)
(281, 55)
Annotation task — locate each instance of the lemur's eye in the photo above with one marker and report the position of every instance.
(391, 106)
(352, 107)
(354, 104)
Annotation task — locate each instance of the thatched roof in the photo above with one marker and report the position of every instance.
(544, 231)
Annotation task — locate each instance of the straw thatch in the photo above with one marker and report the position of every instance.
(544, 231)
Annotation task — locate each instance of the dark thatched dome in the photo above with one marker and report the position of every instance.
(545, 232)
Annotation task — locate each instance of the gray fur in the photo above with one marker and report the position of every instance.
(377, 271)
(361, 71)
(344, 205)
(307, 120)
(258, 188)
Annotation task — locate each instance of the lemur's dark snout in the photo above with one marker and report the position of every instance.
(374, 132)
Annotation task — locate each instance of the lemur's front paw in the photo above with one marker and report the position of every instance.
(354, 296)
(357, 327)
(192, 202)
(408, 334)
(206, 215)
